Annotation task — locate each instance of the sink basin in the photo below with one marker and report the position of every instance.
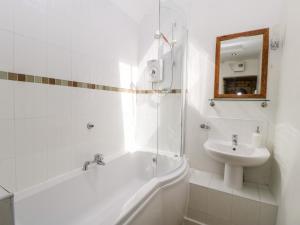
(235, 158)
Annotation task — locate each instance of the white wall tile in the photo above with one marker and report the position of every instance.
(223, 129)
(30, 56)
(31, 136)
(245, 211)
(98, 70)
(266, 196)
(201, 72)
(59, 63)
(31, 169)
(249, 191)
(198, 198)
(59, 7)
(219, 204)
(24, 136)
(197, 215)
(81, 67)
(200, 178)
(59, 101)
(60, 154)
(268, 214)
(189, 222)
(30, 100)
(6, 209)
(7, 139)
(6, 50)
(211, 220)
(6, 99)
(6, 14)
(30, 18)
(7, 173)
(49, 122)
(81, 104)
(59, 30)
(240, 207)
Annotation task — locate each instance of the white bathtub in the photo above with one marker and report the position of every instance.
(125, 191)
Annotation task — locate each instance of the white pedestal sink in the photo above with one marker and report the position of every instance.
(235, 158)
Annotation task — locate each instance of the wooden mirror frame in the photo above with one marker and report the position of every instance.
(265, 61)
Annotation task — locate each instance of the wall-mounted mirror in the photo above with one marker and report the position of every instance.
(242, 65)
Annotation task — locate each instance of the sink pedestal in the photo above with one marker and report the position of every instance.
(233, 176)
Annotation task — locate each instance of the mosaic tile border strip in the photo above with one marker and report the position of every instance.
(75, 84)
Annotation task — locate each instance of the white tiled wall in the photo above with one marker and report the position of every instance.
(43, 128)
(67, 39)
(6, 212)
(239, 117)
(212, 203)
(286, 167)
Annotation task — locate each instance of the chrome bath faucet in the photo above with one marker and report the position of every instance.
(98, 159)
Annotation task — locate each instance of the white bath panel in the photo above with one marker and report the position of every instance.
(212, 203)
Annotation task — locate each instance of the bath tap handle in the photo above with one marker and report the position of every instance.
(204, 126)
(99, 157)
(90, 126)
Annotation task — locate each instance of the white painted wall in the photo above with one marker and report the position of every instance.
(286, 167)
(207, 20)
(43, 128)
(251, 68)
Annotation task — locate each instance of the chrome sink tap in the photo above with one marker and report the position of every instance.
(98, 159)
(235, 140)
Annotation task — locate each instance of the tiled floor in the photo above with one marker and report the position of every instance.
(212, 203)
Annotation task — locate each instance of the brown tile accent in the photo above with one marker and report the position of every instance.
(45, 80)
(52, 81)
(3, 75)
(105, 88)
(21, 77)
(99, 87)
(64, 82)
(92, 86)
(29, 78)
(57, 82)
(82, 85)
(38, 79)
(12, 76)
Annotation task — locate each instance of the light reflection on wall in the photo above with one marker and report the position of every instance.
(128, 76)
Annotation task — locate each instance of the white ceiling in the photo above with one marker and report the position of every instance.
(241, 48)
(137, 9)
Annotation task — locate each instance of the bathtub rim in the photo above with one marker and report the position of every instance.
(161, 182)
(35, 189)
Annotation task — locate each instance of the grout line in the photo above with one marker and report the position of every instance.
(194, 221)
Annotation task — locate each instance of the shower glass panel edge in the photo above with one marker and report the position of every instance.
(171, 92)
